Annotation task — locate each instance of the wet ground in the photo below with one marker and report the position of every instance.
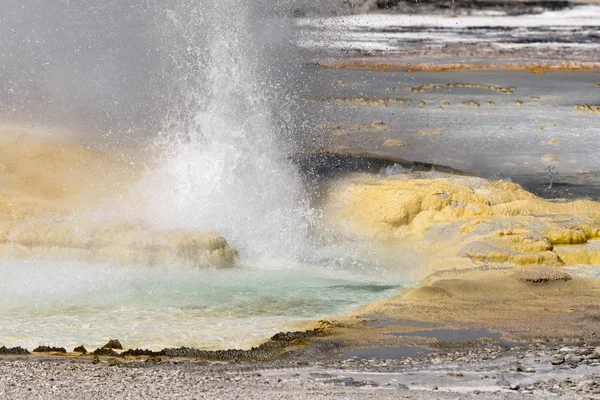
(534, 134)
(499, 90)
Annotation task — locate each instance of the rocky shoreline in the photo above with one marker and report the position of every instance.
(535, 370)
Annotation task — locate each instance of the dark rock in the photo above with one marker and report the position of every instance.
(262, 352)
(287, 336)
(347, 381)
(103, 351)
(265, 351)
(317, 350)
(573, 359)
(541, 276)
(139, 352)
(80, 349)
(365, 383)
(291, 336)
(15, 351)
(400, 386)
(183, 352)
(48, 349)
(516, 367)
(558, 360)
(113, 362)
(113, 344)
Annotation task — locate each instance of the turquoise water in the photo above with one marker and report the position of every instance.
(68, 304)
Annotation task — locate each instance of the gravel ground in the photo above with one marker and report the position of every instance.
(538, 371)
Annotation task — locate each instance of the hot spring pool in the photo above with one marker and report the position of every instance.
(67, 304)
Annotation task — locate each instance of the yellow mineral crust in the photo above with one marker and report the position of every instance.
(362, 101)
(38, 177)
(394, 143)
(122, 242)
(345, 128)
(464, 222)
(47, 186)
(539, 206)
(523, 305)
(568, 235)
(431, 132)
(424, 88)
(385, 207)
(579, 256)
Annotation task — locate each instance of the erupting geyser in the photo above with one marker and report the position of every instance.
(222, 150)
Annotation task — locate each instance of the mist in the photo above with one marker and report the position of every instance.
(115, 70)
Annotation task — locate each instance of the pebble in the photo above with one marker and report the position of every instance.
(558, 360)
(586, 385)
(574, 359)
(516, 367)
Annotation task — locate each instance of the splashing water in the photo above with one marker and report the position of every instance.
(222, 163)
